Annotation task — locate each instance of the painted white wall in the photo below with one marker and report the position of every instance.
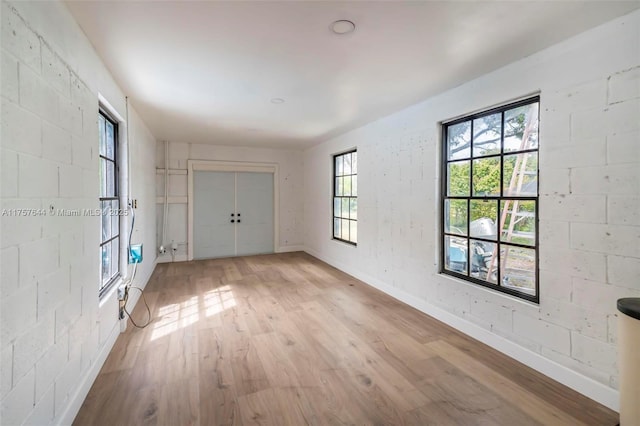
(290, 164)
(589, 206)
(55, 334)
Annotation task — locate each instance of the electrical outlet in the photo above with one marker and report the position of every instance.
(121, 292)
(135, 253)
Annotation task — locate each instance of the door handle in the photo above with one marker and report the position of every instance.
(233, 215)
(238, 220)
(232, 221)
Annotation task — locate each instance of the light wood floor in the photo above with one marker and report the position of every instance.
(288, 340)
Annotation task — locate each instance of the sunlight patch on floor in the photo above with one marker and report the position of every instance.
(176, 316)
(218, 300)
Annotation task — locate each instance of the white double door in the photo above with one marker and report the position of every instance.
(232, 214)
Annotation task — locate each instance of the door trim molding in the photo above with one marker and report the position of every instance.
(232, 166)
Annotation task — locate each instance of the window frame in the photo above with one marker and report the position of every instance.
(334, 196)
(104, 287)
(498, 286)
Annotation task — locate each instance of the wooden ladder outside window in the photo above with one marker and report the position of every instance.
(511, 206)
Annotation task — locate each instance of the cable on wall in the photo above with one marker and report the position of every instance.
(128, 283)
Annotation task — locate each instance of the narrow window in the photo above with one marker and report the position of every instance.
(109, 203)
(490, 199)
(345, 197)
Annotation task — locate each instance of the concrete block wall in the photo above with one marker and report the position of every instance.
(290, 164)
(55, 333)
(589, 225)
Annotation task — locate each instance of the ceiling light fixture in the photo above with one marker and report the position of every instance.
(277, 100)
(343, 26)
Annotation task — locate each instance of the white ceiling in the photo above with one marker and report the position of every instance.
(205, 72)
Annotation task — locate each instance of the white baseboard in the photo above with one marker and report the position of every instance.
(289, 249)
(77, 399)
(570, 378)
(166, 258)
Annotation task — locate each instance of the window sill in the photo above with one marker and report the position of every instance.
(346, 243)
(489, 290)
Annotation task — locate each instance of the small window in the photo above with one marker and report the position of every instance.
(345, 197)
(490, 199)
(109, 203)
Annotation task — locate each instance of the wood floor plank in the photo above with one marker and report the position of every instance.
(464, 398)
(580, 406)
(336, 403)
(178, 403)
(429, 415)
(270, 407)
(231, 272)
(218, 398)
(218, 402)
(246, 363)
(285, 339)
(279, 370)
(360, 361)
(512, 392)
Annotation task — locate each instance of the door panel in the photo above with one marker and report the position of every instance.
(213, 203)
(254, 203)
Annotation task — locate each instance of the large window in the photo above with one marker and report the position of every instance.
(345, 197)
(490, 199)
(109, 202)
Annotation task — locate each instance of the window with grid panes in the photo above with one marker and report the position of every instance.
(490, 199)
(109, 203)
(345, 197)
